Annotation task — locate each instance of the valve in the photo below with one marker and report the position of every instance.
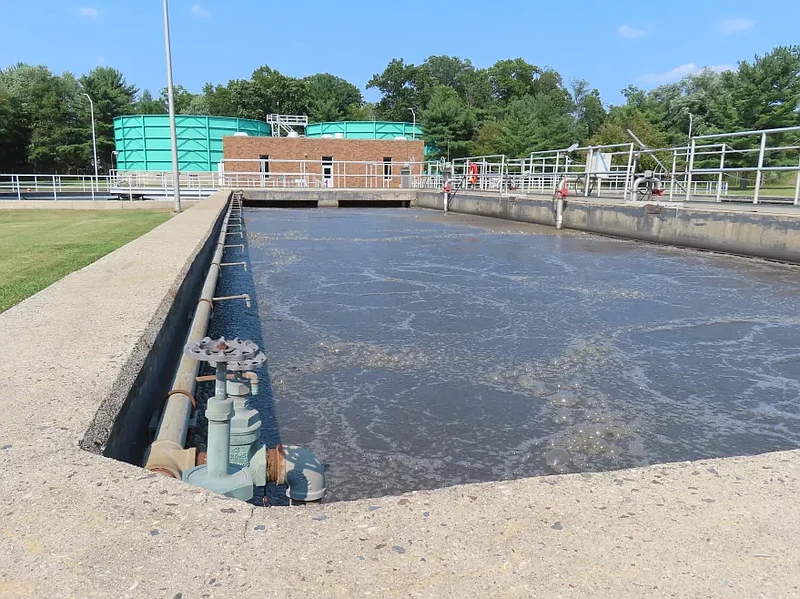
(218, 474)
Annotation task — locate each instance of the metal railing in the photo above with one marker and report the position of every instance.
(707, 167)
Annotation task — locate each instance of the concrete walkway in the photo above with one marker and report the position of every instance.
(75, 524)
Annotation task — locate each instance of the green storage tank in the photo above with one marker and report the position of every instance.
(143, 141)
(365, 130)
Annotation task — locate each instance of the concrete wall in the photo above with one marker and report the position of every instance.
(330, 198)
(297, 149)
(120, 427)
(733, 229)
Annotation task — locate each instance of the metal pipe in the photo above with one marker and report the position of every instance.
(797, 187)
(628, 174)
(757, 190)
(176, 176)
(743, 133)
(719, 180)
(689, 170)
(94, 145)
(672, 174)
(167, 453)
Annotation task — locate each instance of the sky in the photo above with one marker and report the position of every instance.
(611, 44)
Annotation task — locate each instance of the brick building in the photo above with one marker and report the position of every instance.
(321, 162)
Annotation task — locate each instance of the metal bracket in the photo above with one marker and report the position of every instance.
(226, 298)
(236, 245)
(235, 264)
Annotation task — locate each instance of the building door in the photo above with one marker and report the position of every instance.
(263, 168)
(327, 171)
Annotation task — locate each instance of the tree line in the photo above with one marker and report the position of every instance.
(513, 107)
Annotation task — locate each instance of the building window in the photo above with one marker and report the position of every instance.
(387, 168)
(263, 165)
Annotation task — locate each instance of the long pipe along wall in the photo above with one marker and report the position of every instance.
(293, 466)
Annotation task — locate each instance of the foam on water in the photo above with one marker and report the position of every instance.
(409, 350)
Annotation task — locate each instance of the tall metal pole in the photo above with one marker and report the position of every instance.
(94, 142)
(414, 124)
(176, 175)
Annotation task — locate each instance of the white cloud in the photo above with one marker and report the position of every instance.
(680, 72)
(630, 33)
(199, 11)
(732, 26)
(89, 12)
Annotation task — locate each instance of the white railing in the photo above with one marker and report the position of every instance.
(706, 167)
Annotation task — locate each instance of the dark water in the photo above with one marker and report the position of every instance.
(410, 350)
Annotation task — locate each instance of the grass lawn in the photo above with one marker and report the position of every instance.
(776, 192)
(39, 247)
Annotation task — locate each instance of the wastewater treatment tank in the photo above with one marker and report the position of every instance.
(364, 130)
(143, 141)
(409, 350)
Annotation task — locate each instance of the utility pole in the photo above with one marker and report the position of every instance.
(94, 143)
(176, 175)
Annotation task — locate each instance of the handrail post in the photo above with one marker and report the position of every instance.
(672, 174)
(19, 193)
(757, 190)
(797, 187)
(690, 167)
(721, 167)
(55, 191)
(628, 175)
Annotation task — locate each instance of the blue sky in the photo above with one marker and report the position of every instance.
(609, 43)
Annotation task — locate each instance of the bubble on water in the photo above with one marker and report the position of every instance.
(558, 459)
(537, 387)
(562, 416)
(597, 446)
(496, 377)
(564, 398)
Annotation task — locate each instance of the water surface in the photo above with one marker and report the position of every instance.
(412, 350)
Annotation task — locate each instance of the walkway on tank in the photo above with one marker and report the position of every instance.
(76, 523)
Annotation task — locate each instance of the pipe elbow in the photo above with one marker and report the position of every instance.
(253, 378)
(299, 470)
(169, 458)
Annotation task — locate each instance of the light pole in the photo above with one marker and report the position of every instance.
(414, 124)
(176, 175)
(691, 124)
(94, 141)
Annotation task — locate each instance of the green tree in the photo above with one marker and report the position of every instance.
(589, 111)
(112, 97)
(218, 100)
(403, 86)
(331, 98)
(147, 104)
(448, 122)
(489, 139)
(15, 134)
(766, 93)
(536, 123)
(60, 133)
(183, 98)
(621, 118)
